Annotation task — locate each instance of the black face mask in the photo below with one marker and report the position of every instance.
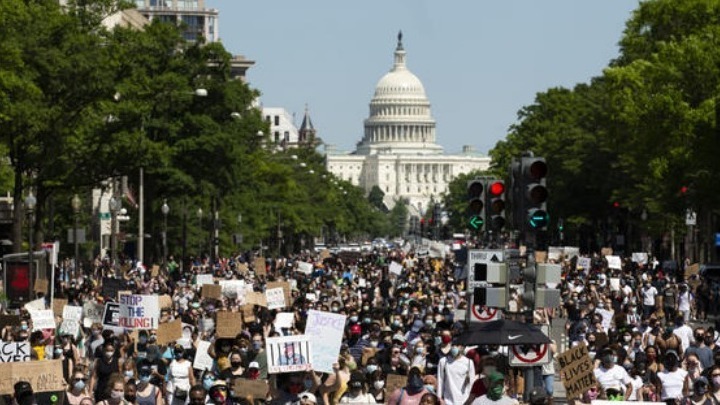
(236, 364)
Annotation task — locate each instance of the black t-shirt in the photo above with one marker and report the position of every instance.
(385, 286)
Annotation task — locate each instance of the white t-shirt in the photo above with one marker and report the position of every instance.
(637, 383)
(672, 384)
(649, 294)
(685, 333)
(504, 400)
(614, 377)
(455, 378)
(684, 301)
(360, 399)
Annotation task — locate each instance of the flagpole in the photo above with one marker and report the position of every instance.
(141, 217)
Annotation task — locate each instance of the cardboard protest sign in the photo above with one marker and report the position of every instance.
(305, 268)
(165, 301)
(248, 312)
(203, 361)
(606, 251)
(275, 298)
(692, 270)
(324, 254)
(395, 268)
(367, 354)
(228, 324)
(155, 270)
(395, 381)
(541, 256)
(111, 287)
(242, 268)
(286, 290)
(213, 291)
(43, 319)
(41, 285)
(257, 389)
(93, 313)
(43, 376)
(139, 311)
(202, 279)
(576, 371)
(259, 266)
(13, 352)
(256, 298)
(614, 262)
(288, 354)
(325, 329)
(58, 305)
(111, 315)
(169, 332)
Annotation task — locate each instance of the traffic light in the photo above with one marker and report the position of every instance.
(534, 172)
(476, 204)
(485, 282)
(536, 278)
(495, 207)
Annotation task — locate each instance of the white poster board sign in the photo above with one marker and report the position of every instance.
(289, 354)
(584, 263)
(43, 319)
(275, 298)
(36, 305)
(640, 258)
(395, 268)
(14, 352)
(325, 329)
(305, 268)
(284, 320)
(614, 262)
(202, 279)
(139, 311)
(93, 313)
(203, 361)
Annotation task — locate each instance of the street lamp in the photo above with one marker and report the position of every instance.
(76, 204)
(30, 203)
(165, 209)
(200, 218)
(115, 206)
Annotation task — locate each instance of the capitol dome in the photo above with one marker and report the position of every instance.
(400, 119)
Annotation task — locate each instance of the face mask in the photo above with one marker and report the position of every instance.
(79, 385)
(495, 393)
(208, 383)
(367, 320)
(488, 369)
(420, 350)
(109, 355)
(716, 381)
(379, 384)
(446, 339)
(178, 356)
(700, 389)
(308, 384)
(370, 368)
(143, 340)
(25, 327)
(129, 373)
(374, 343)
(437, 340)
(627, 338)
(353, 319)
(116, 394)
(334, 309)
(236, 364)
(257, 345)
(144, 378)
(454, 352)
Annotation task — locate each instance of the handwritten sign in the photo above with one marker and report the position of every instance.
(259, 266)
(325, 330)
(576, 371)
(202, 279)
(256, 298)
(58, 305)
(93, 313)
(395, 268)
(305, 268)
(606, 251)
(284, 320)
(394, 382)
(11, 352)
(213, 291)
(584, 263)
(614, 262)
(228, 324)
(72, 318)
(203, 361)
(554, 253)
(169, 332)
(275, 298)
(232, 288)
(248, 312)
(44, 319)
(43, 376)
(165, 301)
(155, 270)
(257, 389)
(41, 285)
(288, 354)
(35, 305)
(139, 311)
(286, 289)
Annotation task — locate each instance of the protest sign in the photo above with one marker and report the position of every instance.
(203, 361)
(640, 258)
(614, 262)
(324, 254)
(207, 325)
(43, 376)
(213, 291)
(305, 268)
(614, 284)
(311, 297)
(57, 305)
(571, 251)
(41, 285)
(395, 268)
(606, 251)
(232, 288)
(325, 329)
(169, 332)
(576, 371)
(259, 266)
(275, 298)
(202, 279)
(111, 287)
(349, 257)
(692, 270)
(165, 301)
(289, 354)
(395, 381)
(12, 352)
(242, 268)
(367, 354)
(286, 289)
(93, 313)
(584, 263)
(43, 319)
(229, 324)
(554, 253)
(257, 389)
(9, 320)
(541, 256)
(111, 315)
(284, 320)
(35, 305)
(248, 312)
(256, 298)
(139, 311)
(72, 318)
(123, 292)
(155, 270)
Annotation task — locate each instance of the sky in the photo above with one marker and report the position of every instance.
(480, 61)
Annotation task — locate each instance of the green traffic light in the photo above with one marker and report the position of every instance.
(539, 219)
(476, 222)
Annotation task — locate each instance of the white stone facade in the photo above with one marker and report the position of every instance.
(283, 131)
(398, 152)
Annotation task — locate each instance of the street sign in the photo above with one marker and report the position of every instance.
(482, 314)
(530, 355)
(476, 222)
(690, 218)
(105, 216)
(717, 240)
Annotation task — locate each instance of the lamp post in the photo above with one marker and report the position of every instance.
(30, 203)
(200, 218)
(115, 206)
(165, 211)
(76, 205)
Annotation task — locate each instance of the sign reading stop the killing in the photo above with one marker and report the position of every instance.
(139, 311)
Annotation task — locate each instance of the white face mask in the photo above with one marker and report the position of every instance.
(379, 384)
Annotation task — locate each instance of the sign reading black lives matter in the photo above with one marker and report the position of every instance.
(576, 370)
(11, 352)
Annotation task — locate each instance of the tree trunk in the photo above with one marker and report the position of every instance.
(18, 213)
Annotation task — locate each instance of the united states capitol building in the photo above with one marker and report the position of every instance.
(398, 152)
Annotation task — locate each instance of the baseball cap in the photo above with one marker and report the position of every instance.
(496, 377)
(417, 325)
(254, 364)
(308, 396)
(24, 393)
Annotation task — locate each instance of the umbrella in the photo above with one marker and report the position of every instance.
(502, 332)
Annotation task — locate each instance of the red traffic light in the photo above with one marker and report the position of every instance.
(683, 190)
(616, 204)
(497, 188)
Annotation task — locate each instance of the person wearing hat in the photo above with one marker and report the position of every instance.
(308, 398)
(219, 394)
(496, 392)
(357, 391)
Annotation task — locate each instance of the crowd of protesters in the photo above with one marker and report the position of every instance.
(634, 322)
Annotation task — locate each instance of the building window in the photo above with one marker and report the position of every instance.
(267, 118)
(277, 136)
(277, 120)
(287, 136)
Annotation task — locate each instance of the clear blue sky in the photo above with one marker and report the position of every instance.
(480, 60)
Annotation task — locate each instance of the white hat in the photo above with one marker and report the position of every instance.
(254, 364)
(309, 396)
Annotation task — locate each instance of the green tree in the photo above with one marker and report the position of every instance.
(398, 218)
(376, 199)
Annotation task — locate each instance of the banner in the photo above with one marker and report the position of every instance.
(93, 313)
(289, 354)
(43, 376)
(275, 298)
(325, 329)
(44, 319)
(11, 352)
(139, 312)
(203, 361)
(576, 371)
